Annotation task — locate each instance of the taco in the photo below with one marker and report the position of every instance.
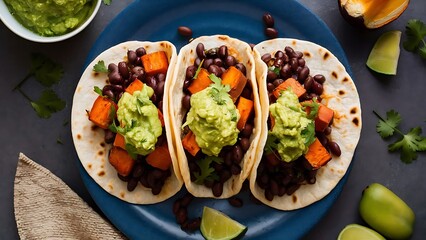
(311, 118)
(120, 125)
(215, 115)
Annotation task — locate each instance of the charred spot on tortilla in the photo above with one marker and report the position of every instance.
(103, 144)
(354, 110)
(223, 38)
(341, 92)
(355, 120)
(345, 79)
(326, 55)
(110, 187)
(89, 166)
(294, 198)
(307, 54)
(100, 153)
(122, 195)
(293, 43)
(94, 127)
(78, 136)
(101, 173)
(334, 74)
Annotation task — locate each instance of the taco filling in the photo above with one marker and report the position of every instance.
(135, 127)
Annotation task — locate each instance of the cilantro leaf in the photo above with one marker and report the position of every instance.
(387, 127)
(198, 69)
(98, 90)
(100, 67)
(45, 70)
(415, 31)
(313, 108)
(207, 172)
(409, 144)
(47, 104)
(274, 69)
(107, 2)
(308, 133)
(219, 92)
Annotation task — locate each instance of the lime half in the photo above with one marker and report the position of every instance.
(384, 56)
(217, 225)
(357, 232)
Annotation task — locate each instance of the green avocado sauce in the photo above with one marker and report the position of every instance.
(213, 119)
(51, 17)
(139, 120)
(292, 130)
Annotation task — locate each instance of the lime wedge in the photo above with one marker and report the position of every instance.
(384, 56)
(357, 232)
(217, 225)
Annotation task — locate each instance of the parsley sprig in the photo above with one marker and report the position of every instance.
(416, 32)
(47, 73)
(410, 144)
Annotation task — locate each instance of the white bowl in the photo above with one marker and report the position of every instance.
(10, 21)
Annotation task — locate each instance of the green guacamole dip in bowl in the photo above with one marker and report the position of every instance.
(47, 20)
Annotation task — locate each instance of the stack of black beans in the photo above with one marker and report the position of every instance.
(275, 176)
(119, 78)
(216, 61)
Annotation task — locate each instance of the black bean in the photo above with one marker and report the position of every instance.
(186, 200)
(319, 78)
(271, 76)
(186, 102)
(228, 159)
(230, 61)
(273, 185)
(156, 189)
(140, 51)
(290, 52)
(266, 57)
(207, 62)
(308, 83)
(301, 62)
(270, 87)
(235, 202)
(112, 67)
(217, 71)
(218, 62)
(317, 88)
(278, 82)
(327, 130)
(245, 144)
(159, 90)
(181, 215)
(138, 72)
(185, 31)
(123, 70)
(269, 195)
(292, 188)
(217, 189)
(285, 71)
(223, 52)
(334, 148)
(117, 88)
(152, 82)
(187, 83)
(225, 175)
(247, 130)
(190, 71)
(132, 183)
(294, 64)
(279, 54)
(298, 54)
(161, 77)
(144, 181)
(197, 62)
(200, 51)
(278, 62)
(271, 32)
(109, 136)
(131, 56)
(247, 92)
(138, 170)
(303, 74)
(268, 20)
(176, 206)
(235, 169)
(241, 67)
(192, 225)
(115, 77)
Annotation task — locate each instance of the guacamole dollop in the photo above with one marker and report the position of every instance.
(51, 17)
(292, 129)
(139, 121)
(213, 119)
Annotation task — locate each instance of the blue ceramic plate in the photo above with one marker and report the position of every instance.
(159, 20)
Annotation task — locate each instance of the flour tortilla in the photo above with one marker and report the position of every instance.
(186, 57)
(89, 141)
(340, 94)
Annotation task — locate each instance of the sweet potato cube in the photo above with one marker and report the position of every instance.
(121, 161)
(102, 112)
(245, 108)
(236, 80)
(201, 82)
(190, 144)
(317, 154)
(297, 88)
(154, 63)
(119, 141)
(325, 115)
(136, 85)
(160, 158)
